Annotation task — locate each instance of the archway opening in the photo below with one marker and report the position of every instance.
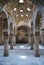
(22, 34)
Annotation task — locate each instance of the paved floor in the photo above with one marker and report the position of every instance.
(23, 56)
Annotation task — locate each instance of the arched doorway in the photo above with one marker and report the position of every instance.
(22, 34)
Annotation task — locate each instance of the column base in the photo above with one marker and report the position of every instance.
(11, 48)
(31, 48)
(37, 53)
(6, 54)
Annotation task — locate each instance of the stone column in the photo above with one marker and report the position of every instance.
(0, 36)
(43, 38)
(6, 53)
(29, 39)
(11, 40)
(32, 36)
(14, 43)
(14, 38)
(15, 33)
(36, 44)
(29, 36)
(32, 41)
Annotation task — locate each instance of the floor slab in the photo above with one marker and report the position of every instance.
(21, 57)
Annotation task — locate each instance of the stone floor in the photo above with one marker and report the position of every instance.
(22, 55)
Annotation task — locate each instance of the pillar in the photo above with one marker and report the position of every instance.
(42, 38)
(11, 40)
(29, 36)
(6, 53)
(36, 44)
(14, 43)
(29, 39)
(32, 36)
(14, 38)
(0, 36)
(32, 41)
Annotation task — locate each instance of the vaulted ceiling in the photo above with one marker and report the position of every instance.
(2, 2)
(21, 11)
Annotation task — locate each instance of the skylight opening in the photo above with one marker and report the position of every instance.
(28, 9)
(21, 10)
(27, 15)
(21, 15)
(15, 9)
(16, 15)
(21, 1)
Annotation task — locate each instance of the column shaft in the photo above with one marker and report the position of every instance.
(32, 39)
(36, 45)
(6, 45)
(11, 40)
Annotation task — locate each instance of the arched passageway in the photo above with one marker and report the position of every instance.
(22, 34)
